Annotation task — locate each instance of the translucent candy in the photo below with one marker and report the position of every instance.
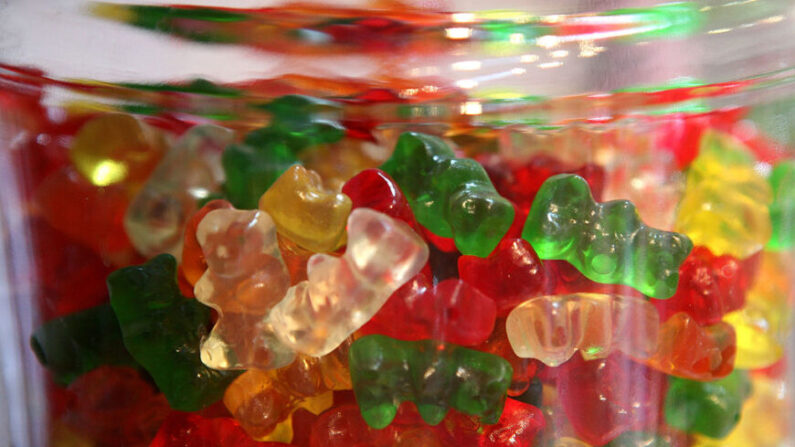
(305, 212)
(763, 324)
(190, 171)
(245, 278)
(552, 328)
(116, 148)
(725, 205)
(342, 294)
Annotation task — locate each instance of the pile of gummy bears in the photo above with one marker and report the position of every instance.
(316, 281)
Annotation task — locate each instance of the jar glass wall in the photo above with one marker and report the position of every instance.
(397, 223)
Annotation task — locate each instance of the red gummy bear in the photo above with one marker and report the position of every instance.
(510, 275)
(606, 397)
(518, 426)
(375, 189)
(709, 286)
(452, 311)
(193, 430)
(114, 406)
(71, 277)
(91, 215)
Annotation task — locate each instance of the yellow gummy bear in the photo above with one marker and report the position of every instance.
(762, 325)
(305, 212)
(115, 148)
(725, 204)
(765, 418)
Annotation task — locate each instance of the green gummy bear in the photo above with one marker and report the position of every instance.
(434, 376)
(74, 344)
(606, 242)
(452, 197)
(709, 408)
(253, 166)
(162, 331)
(782, 210)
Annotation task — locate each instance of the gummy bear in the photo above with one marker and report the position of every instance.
(193, 430)
(709, 286)
(254, 165)
(114, 406)
(709, 408)
(607, 242)
(763, 323)
(190, 171)
(95, 217)
(782, 209)
(521, 274)
(263, 402)
(305, 212)
(452, 197)
(518, 426)
(520, 182)
(606, 397)
(764, 419)
(552, 328)
(725, 205)
(193, 263)
(116, 149)
(375, 189)
(433, 375)
(342, 294)
(162, 331)
(74, 344)
(245, 278)
(524, 369)
(689, 350)
(451, 311)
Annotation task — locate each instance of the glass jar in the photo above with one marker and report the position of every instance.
(397, 223)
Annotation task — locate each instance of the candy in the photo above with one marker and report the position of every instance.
(265, 154)
(342, 294)
(245, 278)
(193, 263)
(606, 397)
(725, 205)
(763, 323)
(552, 328)
(190, 171)
(452, 311)
(452, 197)
(782, 209)
(74, 344)
(116, 149)
(114, 406)
(709, 408)
(193, 430)
(263, 402)
(518, 426)
(305, 212)
(606, 242)
(95, 217)
(433, 375)
(162, 331)
(375, 189)
(692, 351)
(709, 286)
(521, 274)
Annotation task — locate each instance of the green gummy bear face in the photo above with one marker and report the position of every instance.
(436, 377)
(162, 331)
